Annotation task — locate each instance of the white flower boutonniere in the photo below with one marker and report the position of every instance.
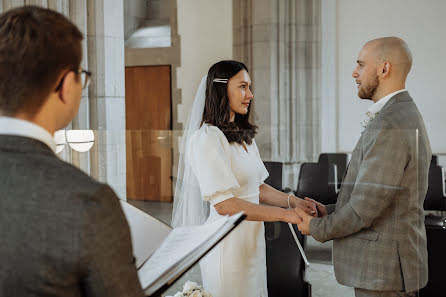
(369, 116)
(191, 289)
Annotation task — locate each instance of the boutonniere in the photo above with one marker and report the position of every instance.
(369, 116)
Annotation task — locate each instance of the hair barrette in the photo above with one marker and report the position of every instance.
(220, 80)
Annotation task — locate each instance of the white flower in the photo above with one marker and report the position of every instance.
(192, 289)
(189, 287)
(368, 119)
(196, 293)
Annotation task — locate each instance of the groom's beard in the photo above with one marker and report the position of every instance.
(368, 91)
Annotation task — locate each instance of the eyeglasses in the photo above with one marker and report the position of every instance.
(85, 78)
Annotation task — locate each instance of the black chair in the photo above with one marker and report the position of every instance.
(435, 232)
(435, 196)
(434, 160)
(314, 183)
(436, 247)
(275, 174)
(284, 264)
(338, 159)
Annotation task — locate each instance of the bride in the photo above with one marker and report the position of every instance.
(221, 173)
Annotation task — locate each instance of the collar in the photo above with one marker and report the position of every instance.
(17, 127)
(378, 105)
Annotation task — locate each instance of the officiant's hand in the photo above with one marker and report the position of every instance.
(304, 226)
(321, 210)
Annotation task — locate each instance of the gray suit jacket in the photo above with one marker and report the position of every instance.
(378, 222)
(61, 232)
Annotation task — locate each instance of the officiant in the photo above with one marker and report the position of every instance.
(63, 233)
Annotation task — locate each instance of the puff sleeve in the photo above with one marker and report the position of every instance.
(209, 158)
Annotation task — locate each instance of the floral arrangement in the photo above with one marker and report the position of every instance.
(191, 289)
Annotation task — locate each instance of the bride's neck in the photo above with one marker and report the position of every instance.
(232, 117)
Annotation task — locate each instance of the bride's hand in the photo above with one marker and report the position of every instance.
(292, 217)
(306, 205)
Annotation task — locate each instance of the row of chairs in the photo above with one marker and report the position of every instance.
(321, 181)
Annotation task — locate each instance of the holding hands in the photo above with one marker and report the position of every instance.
(296, 204)
(304, 226)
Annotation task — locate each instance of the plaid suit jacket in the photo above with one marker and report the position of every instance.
(377, 223)
(61, 232)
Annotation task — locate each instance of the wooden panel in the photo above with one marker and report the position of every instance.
(148, 140)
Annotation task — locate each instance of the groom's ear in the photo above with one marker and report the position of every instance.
(385, 69)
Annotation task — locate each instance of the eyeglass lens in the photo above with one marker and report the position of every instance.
(85, 80)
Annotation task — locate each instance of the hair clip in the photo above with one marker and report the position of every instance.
(221, 80)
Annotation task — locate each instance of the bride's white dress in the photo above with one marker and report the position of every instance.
(237, 266)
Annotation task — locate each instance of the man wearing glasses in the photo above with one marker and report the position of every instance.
(61, 232)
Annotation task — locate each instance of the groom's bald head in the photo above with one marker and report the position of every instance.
(382, 67)
(395, 51)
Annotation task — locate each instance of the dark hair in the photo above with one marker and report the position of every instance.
(217, 110)
(36, 45)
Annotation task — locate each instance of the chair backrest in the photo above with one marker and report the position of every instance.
(314, 183)
(275, 174)
(285, 266)
(338, 159)
(435, 196)
(434, 160)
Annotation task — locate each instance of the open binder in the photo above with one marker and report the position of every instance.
(164, 254)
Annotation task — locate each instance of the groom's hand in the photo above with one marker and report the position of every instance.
(304, 227)
(321, 210)
(308, 206)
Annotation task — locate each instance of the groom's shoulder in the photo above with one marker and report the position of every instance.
(402, 113)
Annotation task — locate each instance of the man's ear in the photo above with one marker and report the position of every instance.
(385, 69)
(66, 87)
(60, 81)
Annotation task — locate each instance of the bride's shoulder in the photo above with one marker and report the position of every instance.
(209, 134)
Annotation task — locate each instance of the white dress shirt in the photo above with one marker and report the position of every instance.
(17, 127)
(376, 108)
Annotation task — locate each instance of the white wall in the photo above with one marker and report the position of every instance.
(205, 29)
(422, 25)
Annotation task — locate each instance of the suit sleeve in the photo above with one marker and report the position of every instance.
(377, 183)
(108, 264)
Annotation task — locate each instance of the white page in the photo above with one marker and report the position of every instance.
(189, 260)
(181, 243)
(147, 232)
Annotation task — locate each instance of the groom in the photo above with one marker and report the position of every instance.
(377, 224)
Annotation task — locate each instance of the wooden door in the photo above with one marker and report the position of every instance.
(148, 113)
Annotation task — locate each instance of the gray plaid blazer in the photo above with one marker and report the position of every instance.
(61, 232)
(378, 222)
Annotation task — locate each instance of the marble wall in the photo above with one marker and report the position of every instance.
(280, 43)
(103, 103)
